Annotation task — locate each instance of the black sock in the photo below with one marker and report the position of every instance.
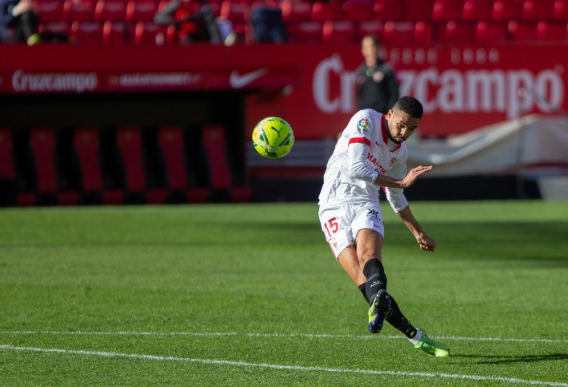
(362, 289)
(397, 320)
(376, 278)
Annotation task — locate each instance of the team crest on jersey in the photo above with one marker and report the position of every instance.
(393, 160)
(363, 126)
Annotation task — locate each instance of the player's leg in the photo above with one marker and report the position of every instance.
(369, 243)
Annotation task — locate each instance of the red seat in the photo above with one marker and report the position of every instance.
(86, 145)
(129, 143)
(398, 33)
(170, 140)
(338, 32)
(445, 10)
(79, 10)
(61, 28)
(477, 10)
(488, 32)
(374, 27)
(49, 10)
(141, 10)
(507, 10)
(215, 145)
(358, 10)
(519, 31)
(86, 32)
(114, 33)
(111, 10)
(146, 33)
(537, 10)
(423, 32)
(390, 9)
(6, 164)
(42, 144)
(305, 32)
(296, 11)
(324, 11)
(560, 10)
(551, 31)
(419, 10)
(455, 32)
(235, 11)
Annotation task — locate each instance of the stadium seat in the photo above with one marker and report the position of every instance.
(86, 32)
(423, 32)
(215, 146)
(560, 10)
(323, 11)
(389, 10)
(477, 10)
(59, 31)
(374, 27)
(114, 33)
(147, 33)
(398, 33)
(141, 11)
(6, 163)
(519, 31)
(42, 144)
(170, 140)
(446, 10)
(488, 32)
(419, 10)
(550, 31)
(49, 10)
(455, 32)
(129, 143)
(537, 10)
(358, 10)
(296, 11)
(86, 145)
(305, 32)
(79, 10)
(235, 11)
(110, 10)
(507, 10)
(338, 31)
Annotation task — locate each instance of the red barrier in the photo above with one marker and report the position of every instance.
(462, 86)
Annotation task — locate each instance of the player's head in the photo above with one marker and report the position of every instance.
(403, 119)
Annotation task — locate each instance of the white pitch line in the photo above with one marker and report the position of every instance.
(282, 367)
(291, 335)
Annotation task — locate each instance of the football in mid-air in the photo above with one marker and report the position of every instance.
(273, 137)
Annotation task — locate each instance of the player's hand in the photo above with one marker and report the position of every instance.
(414, 174)
(426, 243)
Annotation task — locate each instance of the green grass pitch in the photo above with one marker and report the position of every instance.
(250, 295)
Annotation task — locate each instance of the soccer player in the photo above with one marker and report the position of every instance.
(370, 154)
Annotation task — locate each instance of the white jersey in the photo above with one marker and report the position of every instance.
(362, 153)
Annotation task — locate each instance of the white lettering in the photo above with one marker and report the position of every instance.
(77, 82)
(343, 103)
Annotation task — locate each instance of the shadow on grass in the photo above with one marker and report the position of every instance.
(487, 359)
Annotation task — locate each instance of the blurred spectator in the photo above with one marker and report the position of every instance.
(194, 21)
(377, 86)
(267, 25)
(18, 22)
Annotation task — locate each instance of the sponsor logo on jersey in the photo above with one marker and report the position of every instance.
(373, 160)
(363, 126)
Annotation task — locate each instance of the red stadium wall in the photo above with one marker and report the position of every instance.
(462, 87)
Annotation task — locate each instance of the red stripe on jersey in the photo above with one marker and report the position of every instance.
(359, 139)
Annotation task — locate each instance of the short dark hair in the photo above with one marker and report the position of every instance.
(409, 105)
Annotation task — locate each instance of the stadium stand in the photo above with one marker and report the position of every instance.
(447, 10)
(487, 32)
(296, 11)
(338, 31)
(114, 33)
(110, 10)
(477, 10)
(357, 10)
(86, 146)
(79, 10)
(221, 184)
(389, 9)
(83, 32)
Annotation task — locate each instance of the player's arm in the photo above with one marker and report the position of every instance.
(406, 182)
(425, 242)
